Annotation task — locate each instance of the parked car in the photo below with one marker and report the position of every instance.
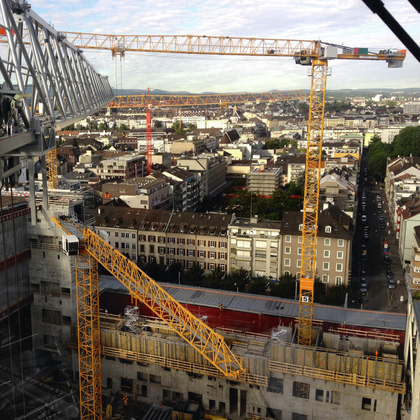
(387, 260)
(391, 284)
(389, 274)
(364, 218)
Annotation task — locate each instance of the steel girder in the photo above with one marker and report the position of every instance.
(46, 86)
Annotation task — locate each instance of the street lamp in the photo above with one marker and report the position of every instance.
(237, 288)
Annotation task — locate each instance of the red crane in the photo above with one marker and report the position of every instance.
(149, 134)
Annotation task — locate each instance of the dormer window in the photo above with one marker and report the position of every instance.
(328, 229)
(301, 227)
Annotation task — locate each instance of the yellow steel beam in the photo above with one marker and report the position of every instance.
(311, 202)
(89, 339)
(142, 101)
(52, 168)
(208, 343)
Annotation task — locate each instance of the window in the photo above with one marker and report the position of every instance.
(122, 245)
(190, 241)
(340, 255)
(301, 390)
(122, 235)
(161, 250)
(326, 266)
(327, 241)
(324, 278)
(161, 239)
(287, 262)
(299, 251)
(319, 395)
(287, 250)
(171, 251)
(152, 238)
(142, 237)
(190, 263)
(275, 385)
(127, 385)
(366, 404)
(152, 248)
(338, 280)
(133, 246)
(327, 229)
(297, 416)
(339, 267)
(300, 227)
(335, 397)
(201, 254)
(201, 243)
(222, 267)
(326, 254)
(341, 242)
(212, 244)
(298, 263)
(171, 261)
(211, 266)
(273, 413)
(288, 238)
(133, 236)
(181, 251)
(300, 240)
(171, 240)
(260, 244)
(211, 254)
(222, 256)
(116, 234)
(191, 252)
(222, 244)
(181, 241)
(117, 245)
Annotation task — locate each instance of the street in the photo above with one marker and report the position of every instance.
(379, 297)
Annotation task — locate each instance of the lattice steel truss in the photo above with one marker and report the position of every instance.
(45, 86)
(89, 340)
(52, 168)
(311, 201)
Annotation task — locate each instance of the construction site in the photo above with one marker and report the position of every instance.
(85, 333)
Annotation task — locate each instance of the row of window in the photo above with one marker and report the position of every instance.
(325, 265)
(325, 278)
(181, 251)
(188, 263)
(183, 241)
(327, 252)
(327, 241)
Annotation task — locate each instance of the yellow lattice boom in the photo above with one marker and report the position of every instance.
(52, 170)
(311, 202)
(208, 343)
(142, 101)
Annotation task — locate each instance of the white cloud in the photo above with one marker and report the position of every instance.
(349, 23)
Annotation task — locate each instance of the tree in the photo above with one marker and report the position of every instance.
(237, 279)
(336, 295)
(75, 143)
(155, 271)
(407, 142)
(173, 273)
(102, 126)
(285, 287)
(214, 279)
(191, 127)
(258, 286)
(179, 129)
(194, 276)
(157, 124)
(123, 127)
(377, 156)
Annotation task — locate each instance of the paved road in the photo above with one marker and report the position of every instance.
(378, 296)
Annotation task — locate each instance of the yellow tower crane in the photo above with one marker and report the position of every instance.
(305, 52)
(89, 249)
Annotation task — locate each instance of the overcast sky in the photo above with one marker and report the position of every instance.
(347, 22)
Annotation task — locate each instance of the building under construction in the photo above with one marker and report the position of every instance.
(353, 370)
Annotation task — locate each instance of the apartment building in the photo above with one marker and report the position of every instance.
(265, 181)
(413, 269)
(145, 193)
(254, 245)
(333, 254)
(124, 166)
(167, 237)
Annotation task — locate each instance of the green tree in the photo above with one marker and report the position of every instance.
(378, 153)
(194, 276)
(258, 286)
(319, 291)
(179, 129)
(214, 279)
(155, 271)
(336, 295)
(75, 143)
(157, 124)
(237, 279)
(407, 142)
(391, 103)
(243, 118)
(285, 287)
(191, 127)
(123, 127)
(102, 126)
(173, 273)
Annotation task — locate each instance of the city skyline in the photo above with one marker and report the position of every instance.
(351, 24)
